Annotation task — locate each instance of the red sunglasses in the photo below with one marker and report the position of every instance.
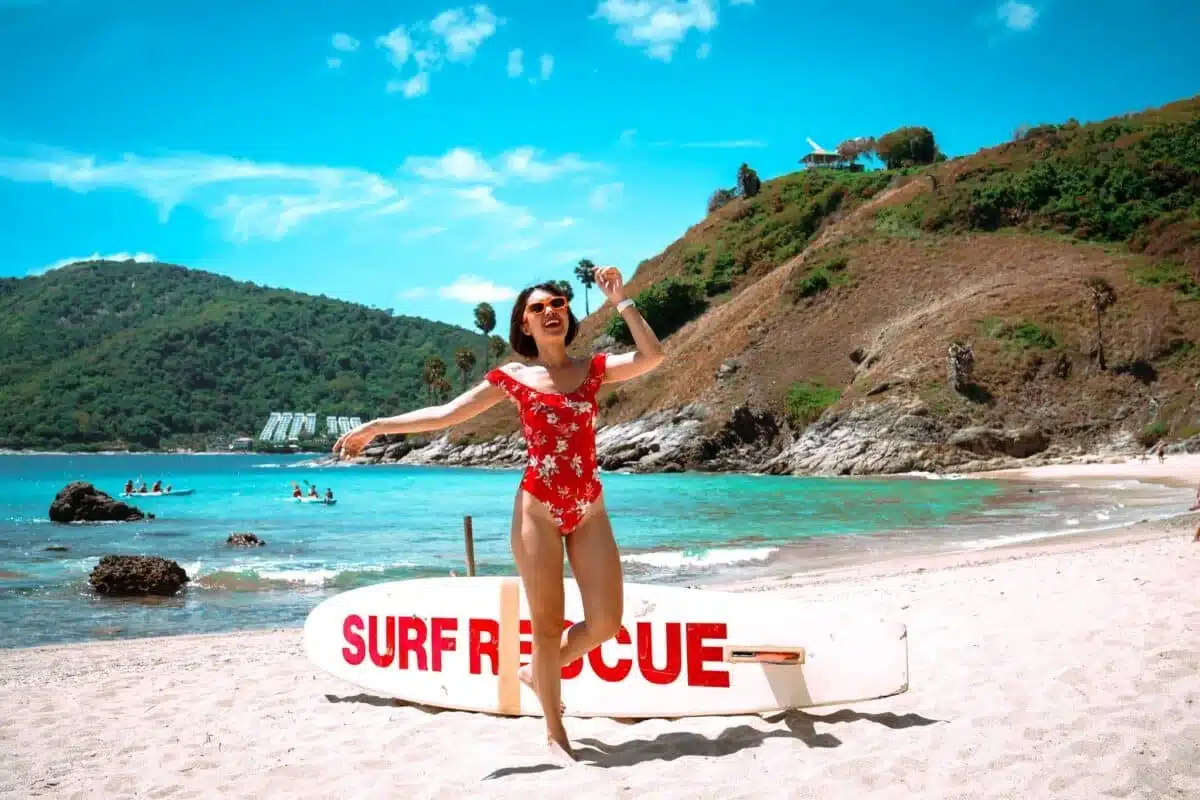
(538, 307)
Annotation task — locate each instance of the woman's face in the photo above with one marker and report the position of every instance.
(546, 316)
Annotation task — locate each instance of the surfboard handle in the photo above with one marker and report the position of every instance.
(755, 654)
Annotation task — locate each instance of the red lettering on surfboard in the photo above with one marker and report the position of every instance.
(525, 629)
(352, 632)
(614, 674)
(645, 654)
(428, 642)
(383, 659)
(442, 643)
(477, 648)
(698, 654)
(412, 640)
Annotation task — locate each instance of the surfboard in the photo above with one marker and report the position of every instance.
(457, 643)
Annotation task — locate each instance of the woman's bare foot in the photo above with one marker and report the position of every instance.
(525, 676)
(560, 746)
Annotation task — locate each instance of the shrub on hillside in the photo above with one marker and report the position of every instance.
(667, 306)
(908, 146)
(1134, 179)
(807, 400)
(748, 184)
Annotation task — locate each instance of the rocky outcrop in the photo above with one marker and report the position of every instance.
(244, 540)
(79, 501)
(901, 435)
(889, 436)
(1191, 445)
(120, 576)
(991, 442)
(960, 366)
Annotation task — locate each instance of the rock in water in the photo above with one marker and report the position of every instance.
(137, 575)
(79, 501)
(244, 540)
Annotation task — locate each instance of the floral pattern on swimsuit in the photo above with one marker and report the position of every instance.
(560, 440)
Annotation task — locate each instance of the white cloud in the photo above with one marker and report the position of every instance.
(415, 86)
(458, 164)
(603, 196)
(464, 33)
(1017, 16)
(627, 135)
(573, 256)
(344, 42)
(412, 294)
(515, 67)
(333, 62)
(398, 44)
(658, 26)
(473, 289)
(729, 144)
(255, 198)
(702, 52)
(139, 257)
(423, 233)
(512, 247)
(565, 222)
(452, 36)
(469, 166)
(480, 200)
(546, 64)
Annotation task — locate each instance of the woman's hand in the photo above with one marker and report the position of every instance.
(350, 443)
(611, 284)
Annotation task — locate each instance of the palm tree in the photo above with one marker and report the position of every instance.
(585, 272)
(435, 371)
(497, 347)
(464, 359)
(485, 320)
(442, 389)
(1103, 297)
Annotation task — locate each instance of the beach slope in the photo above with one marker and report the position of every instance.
(1058, 673)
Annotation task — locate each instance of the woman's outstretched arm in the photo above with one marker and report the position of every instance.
(474, 401)
(649, 352)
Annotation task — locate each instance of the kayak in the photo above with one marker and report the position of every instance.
(319, 500)
(172, 493)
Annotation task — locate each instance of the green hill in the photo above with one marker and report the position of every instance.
(114, 354)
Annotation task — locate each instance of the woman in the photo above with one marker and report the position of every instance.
(560, 498)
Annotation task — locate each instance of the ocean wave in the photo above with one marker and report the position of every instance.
(693, 559)
(1033, 536)
(266, 576)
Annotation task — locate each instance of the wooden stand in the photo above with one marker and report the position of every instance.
(469, 536)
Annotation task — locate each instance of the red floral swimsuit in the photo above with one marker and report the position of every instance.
(560, 438)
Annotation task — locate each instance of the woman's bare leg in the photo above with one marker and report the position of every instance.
(596, 565)
(538, 552)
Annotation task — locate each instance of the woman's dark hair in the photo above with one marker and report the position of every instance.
(521, 342)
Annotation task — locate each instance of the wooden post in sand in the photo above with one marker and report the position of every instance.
(470, 539)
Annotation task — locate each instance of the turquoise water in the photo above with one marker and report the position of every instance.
(395, 522)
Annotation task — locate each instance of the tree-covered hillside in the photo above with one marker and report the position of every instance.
(109, 354)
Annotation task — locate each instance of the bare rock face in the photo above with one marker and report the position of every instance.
(960, 364)
(989, 442)
(244, 540)
(123, 576)
(79, 501)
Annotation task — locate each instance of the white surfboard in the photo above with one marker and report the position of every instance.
(457, 642)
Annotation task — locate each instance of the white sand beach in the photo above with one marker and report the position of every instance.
(1061, 670)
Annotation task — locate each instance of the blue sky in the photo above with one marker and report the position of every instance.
(423, 156)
